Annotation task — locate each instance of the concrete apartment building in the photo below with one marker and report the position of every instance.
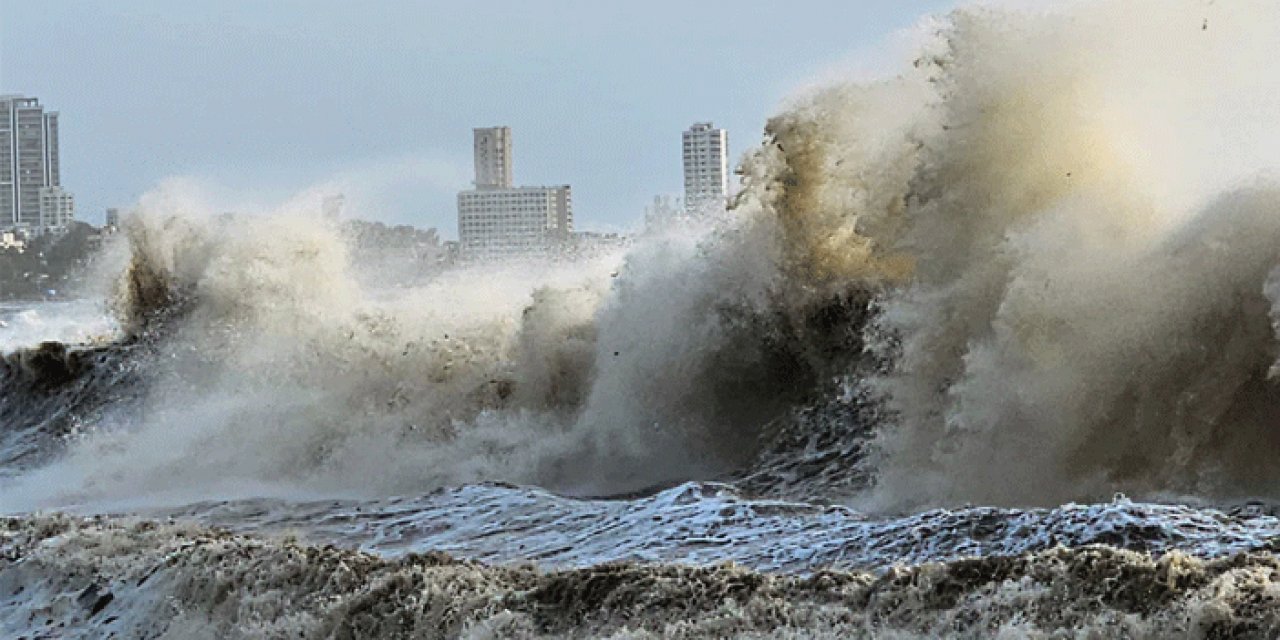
(497, 219)
(57, 209)
(706, 167)
(492, 154)
(29, 164)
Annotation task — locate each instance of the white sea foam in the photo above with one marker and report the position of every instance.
(76, 322)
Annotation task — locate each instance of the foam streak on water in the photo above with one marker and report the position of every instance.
(26, 324)
(710, 523)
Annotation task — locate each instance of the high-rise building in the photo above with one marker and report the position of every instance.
(497, 219)
(706, 167)
(28, 159)
(493, 157)
(57, 209)
(113, 220)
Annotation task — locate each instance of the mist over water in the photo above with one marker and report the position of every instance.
(277, 374)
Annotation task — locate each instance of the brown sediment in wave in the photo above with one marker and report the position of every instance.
(1073, 297)
(92, 577)
(837, 206)
(147, 291)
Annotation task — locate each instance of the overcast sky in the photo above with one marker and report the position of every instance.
(257, 100)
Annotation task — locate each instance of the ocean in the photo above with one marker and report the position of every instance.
(983, 348)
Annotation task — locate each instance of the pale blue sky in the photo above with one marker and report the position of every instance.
(270, 97)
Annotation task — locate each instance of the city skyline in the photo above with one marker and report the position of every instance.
(297, 95)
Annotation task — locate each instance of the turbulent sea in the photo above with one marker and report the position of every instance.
(987, 348)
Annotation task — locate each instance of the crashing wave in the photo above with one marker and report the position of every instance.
(1039, 287)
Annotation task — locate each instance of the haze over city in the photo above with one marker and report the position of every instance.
(240, 99)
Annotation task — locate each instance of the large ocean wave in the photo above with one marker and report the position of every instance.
(1042, 258)
(1039, 266)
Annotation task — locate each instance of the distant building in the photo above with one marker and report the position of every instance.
(706, 167)
(113, 220)
(662, 212)
(452, 248)
(513, 221)
(497, 219)
(57, 209)
(331, 207)
(29, 159)
(493, 157)
(591, 242)
(12, 240)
